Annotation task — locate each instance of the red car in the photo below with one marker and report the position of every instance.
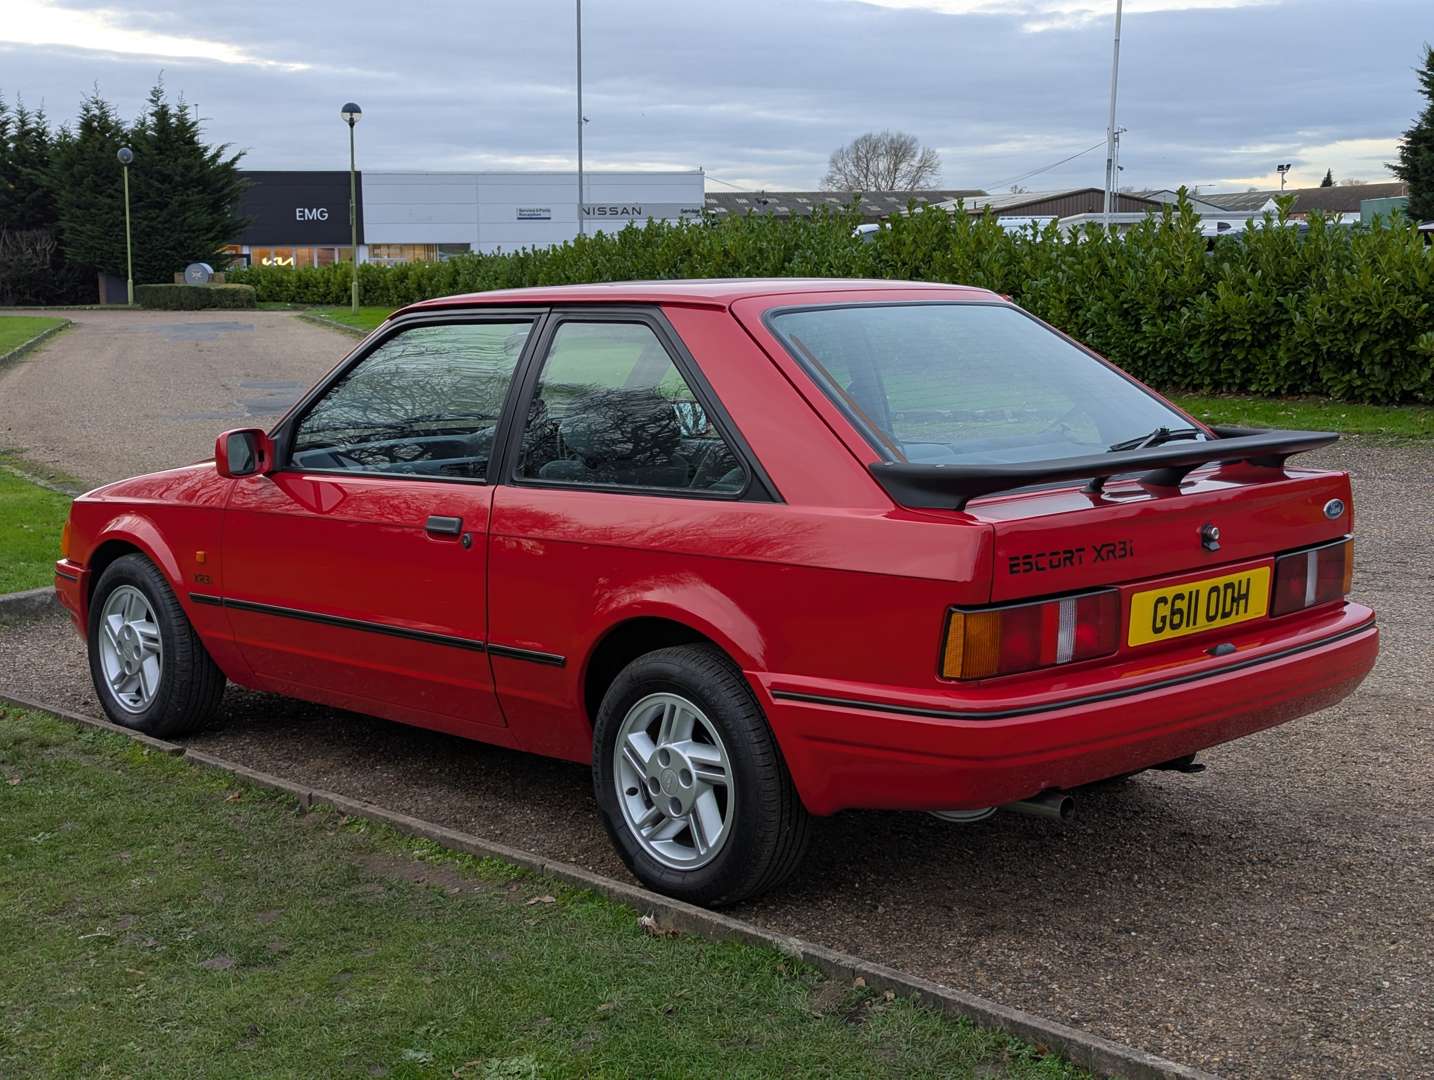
(757, 550)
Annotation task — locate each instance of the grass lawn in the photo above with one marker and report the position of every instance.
(15, 330)
(1313, 414)
(161, 920)
(30, 521)
(366, 319)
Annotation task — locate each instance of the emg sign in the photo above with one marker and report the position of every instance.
(298, 208)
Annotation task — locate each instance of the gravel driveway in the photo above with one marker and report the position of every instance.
(151, 389)
(1273, 916)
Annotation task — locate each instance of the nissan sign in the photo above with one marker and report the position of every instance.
(640, 211)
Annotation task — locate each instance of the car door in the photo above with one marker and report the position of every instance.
(356, 573)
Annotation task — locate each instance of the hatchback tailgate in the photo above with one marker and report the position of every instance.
(1049, 542)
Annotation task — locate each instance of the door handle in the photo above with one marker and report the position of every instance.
(443, 526)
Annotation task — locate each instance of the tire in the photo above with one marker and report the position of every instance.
(186, 693)
(764, 829)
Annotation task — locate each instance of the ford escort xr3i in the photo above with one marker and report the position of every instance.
(756, 550)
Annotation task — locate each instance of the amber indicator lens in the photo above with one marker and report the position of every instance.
(1024, 637)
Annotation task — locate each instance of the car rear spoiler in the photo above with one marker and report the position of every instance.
(949, 487)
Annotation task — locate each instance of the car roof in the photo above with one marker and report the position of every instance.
(708, 292)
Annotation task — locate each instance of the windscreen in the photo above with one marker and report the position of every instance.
(967, 383)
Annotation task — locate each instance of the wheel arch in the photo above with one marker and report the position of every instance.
(131, 534)
(652, 629)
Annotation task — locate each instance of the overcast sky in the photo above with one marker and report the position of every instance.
(756, 92)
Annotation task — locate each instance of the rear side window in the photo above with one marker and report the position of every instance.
(967, 383)
(424, 403)
(611, 409)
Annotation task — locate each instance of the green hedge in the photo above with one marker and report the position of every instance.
(1336, 312)
(194, 297)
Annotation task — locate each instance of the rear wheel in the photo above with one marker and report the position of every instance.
(150, 670)
(690, 782)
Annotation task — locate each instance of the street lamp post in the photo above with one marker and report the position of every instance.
(1111, 180)
(581, 119)
(351, 113)
(126, 155)
(1282, 170)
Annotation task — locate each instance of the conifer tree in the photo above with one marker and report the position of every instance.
(1416, 152)
(89, 195)
(184, 196)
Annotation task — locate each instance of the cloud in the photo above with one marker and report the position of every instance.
(757, 93)
(1348, 159)
(1057, 14)
(36, 22)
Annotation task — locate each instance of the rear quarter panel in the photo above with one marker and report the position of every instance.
(827, 592)
(833, 580)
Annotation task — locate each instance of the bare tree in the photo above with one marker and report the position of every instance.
(882, 161)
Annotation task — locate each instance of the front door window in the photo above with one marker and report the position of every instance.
(424, 403)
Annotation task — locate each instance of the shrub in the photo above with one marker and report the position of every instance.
(1334, 312)
(194, 297)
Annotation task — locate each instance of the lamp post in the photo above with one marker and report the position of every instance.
(126, 155)
(351, 113)
(581, 119)
(1282, 169)
(1111, 180)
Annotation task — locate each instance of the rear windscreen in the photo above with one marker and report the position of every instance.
(966, 383)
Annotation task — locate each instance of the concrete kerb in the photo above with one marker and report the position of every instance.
(1101, 1056)
(159, 745)
(319, 320)
(30, 604)
(25, 346)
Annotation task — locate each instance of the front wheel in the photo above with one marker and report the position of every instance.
(690, 783)
(151, 672)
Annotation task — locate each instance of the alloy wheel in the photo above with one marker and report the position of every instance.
(674, 781)
(131, 652)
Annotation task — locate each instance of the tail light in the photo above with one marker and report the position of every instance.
(1315, 576)
(1023, 637)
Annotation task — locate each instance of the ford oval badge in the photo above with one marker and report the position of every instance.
(1334, 509)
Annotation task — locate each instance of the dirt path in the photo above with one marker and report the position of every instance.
(1272, 917)
(122, 392)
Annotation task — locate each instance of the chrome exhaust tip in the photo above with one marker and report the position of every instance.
(1055, 805)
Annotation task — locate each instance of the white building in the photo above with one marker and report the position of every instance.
(302, 218)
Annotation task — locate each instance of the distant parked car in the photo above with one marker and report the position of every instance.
(756, 550)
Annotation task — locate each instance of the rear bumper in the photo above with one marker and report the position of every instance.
(849, 749)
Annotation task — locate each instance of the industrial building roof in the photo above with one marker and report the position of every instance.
(1340, 199)
(875, 205)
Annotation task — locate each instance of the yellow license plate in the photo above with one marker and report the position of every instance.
(1172, 612)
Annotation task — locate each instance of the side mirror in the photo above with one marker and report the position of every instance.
(243, 452)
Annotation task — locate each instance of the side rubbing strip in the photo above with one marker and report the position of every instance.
(338, 620)
(531, 655)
